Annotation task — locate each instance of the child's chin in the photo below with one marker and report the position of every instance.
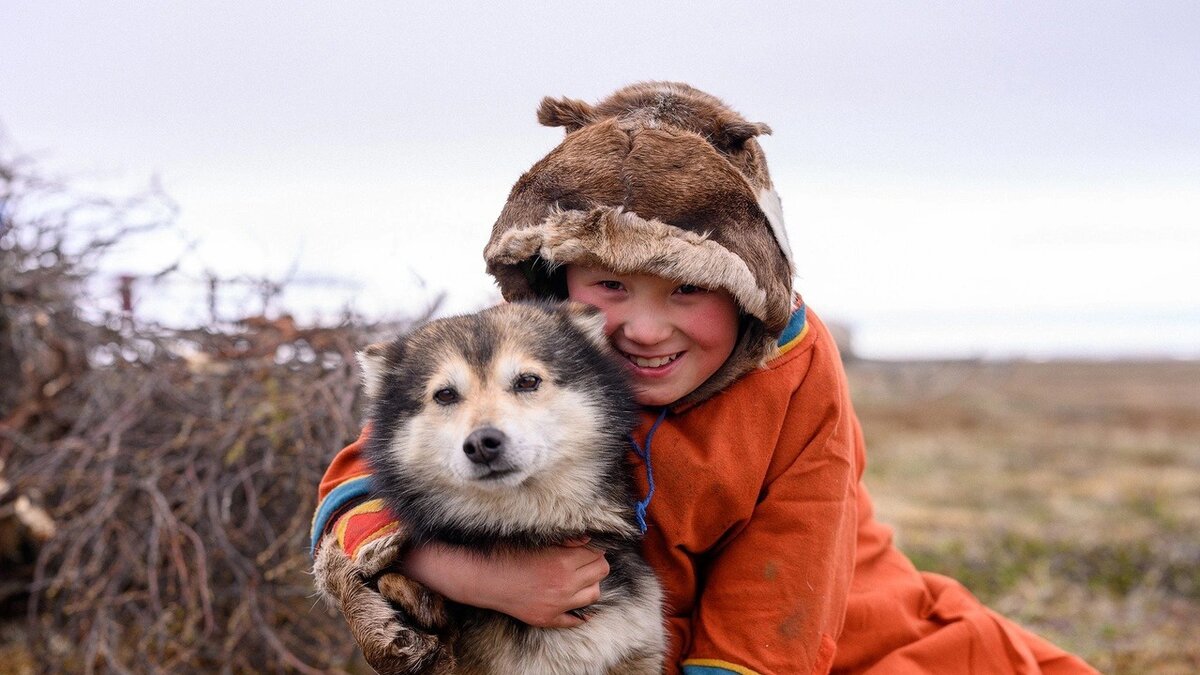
(656, 396)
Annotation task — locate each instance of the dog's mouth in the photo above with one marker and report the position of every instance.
(490, 474)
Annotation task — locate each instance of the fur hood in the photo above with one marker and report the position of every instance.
(658, 178)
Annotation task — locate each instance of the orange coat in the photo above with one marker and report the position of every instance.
(765, 541)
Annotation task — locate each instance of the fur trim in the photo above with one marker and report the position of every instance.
(624, 242)
(375, 556)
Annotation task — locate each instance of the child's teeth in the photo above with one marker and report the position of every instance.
(652, 363)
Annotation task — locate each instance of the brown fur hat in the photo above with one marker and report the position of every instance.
(659, 178)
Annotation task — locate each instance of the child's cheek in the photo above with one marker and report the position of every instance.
(714, 323)
(612, 318)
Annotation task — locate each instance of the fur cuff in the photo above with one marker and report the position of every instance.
(376, 556)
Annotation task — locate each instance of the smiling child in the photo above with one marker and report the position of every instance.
(658, 209)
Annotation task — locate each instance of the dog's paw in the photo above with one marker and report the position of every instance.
(397, 649)
(425, 607)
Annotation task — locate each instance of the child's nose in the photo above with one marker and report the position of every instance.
(646, 329)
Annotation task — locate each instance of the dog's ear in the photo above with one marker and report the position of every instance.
(569, 113)
(374, 363)
(588, 320)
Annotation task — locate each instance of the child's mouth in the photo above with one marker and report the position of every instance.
(652, 363)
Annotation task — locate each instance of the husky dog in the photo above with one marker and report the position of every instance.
(508, 429)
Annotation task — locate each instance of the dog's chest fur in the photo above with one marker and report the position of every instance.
(622, 631)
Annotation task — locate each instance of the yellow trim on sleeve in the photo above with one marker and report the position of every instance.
(724, 665)
(369, 506)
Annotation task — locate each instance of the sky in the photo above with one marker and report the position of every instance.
(959, 179)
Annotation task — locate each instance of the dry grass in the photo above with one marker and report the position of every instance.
(1065, 495)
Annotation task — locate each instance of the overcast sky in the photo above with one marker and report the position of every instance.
(971, 166)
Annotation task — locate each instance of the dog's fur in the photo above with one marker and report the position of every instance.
(538, 379)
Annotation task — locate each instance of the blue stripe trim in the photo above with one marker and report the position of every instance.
(707, 670)
(338, 497)
(794, 326)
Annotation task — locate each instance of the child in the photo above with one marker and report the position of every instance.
(657, 208)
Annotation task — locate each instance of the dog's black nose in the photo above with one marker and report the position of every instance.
(484, 444)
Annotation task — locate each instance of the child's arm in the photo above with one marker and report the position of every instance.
(536, 587)
(774, 597)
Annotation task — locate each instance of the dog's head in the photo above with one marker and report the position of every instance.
(520, 395)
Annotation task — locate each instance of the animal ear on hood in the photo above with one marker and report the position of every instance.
(570, 113)
(589, 320)
(374, 364)
(734, 135)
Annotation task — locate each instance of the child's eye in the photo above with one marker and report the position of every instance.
(689, 289)
(611, 285)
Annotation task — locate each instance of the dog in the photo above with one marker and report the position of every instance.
(508, 429)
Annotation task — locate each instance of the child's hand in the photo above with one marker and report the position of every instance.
(536, 587)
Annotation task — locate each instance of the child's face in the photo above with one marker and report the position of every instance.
(673, 336)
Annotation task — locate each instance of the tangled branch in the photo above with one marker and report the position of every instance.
(180, 466)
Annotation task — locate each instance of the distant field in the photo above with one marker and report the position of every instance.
(1065, 495)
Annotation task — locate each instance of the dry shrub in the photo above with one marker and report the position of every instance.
(180, 466)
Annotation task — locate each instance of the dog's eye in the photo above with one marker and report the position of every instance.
(527, 383)
(446, 396)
